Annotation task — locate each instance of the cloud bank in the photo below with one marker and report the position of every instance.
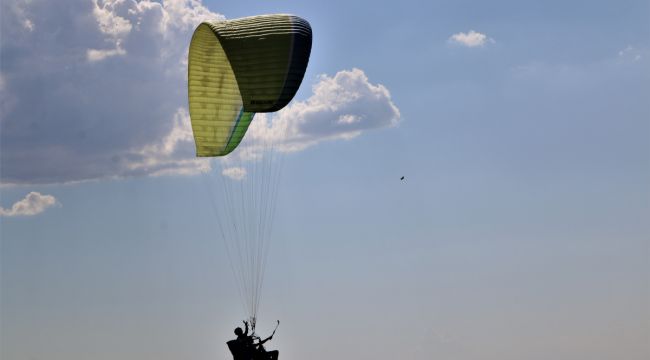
(104, 96)
(94, 98)
(34, 203)
(470, 39)
(340, 108)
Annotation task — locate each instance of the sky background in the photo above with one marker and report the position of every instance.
(521, 231)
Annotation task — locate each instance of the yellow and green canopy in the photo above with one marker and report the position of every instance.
(239, 67)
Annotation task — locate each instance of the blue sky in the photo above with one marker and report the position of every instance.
(521, 230)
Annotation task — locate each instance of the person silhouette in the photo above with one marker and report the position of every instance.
(242, 335)
(251, 347)
(242, 347)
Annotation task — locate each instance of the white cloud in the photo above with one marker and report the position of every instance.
(235, 173)
(107, 14)
(174, 154)
(340, 108)
(186, 14)
(630, 54)
(18, 10)
(348, 119)
(470, 39)
(28, 24)
(98, 55)
(105, 95)
(34, 203)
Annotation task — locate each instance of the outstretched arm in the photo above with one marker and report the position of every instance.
(265, 340)
(246, 326)
(270, 337)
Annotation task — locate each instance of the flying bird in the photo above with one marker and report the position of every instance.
(402, 178)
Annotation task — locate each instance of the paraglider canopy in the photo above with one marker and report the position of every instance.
(239, 67)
